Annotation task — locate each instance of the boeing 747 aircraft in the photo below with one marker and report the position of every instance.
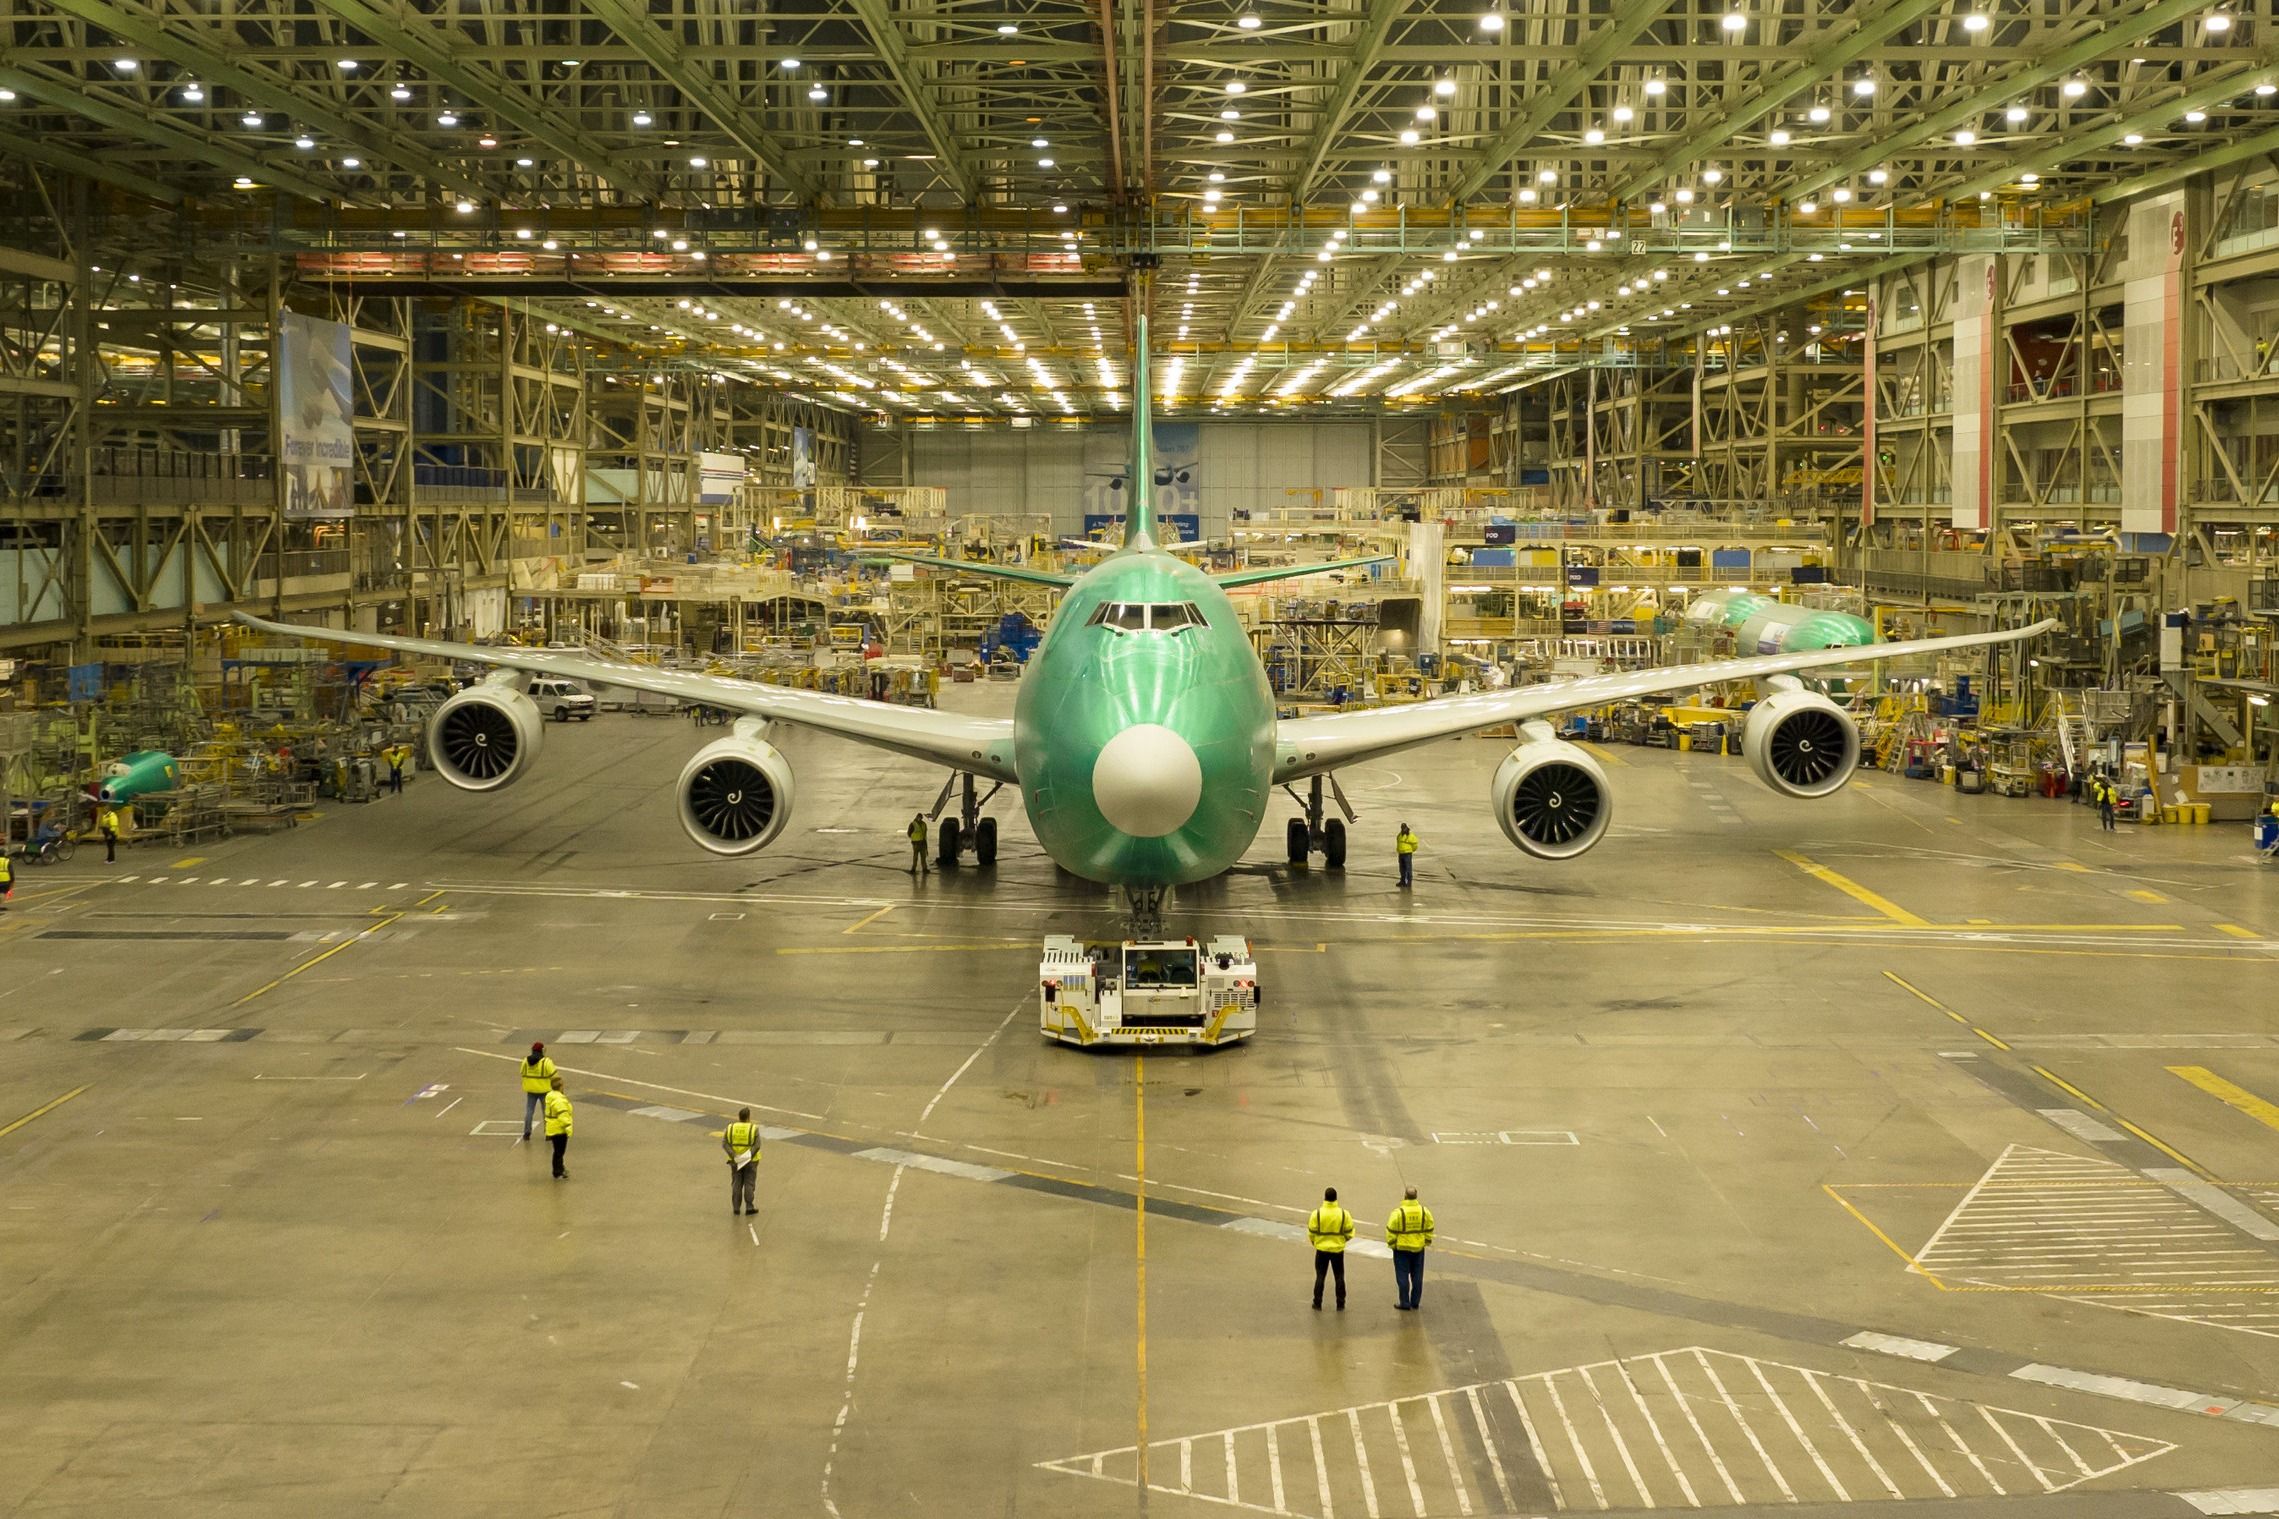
(1144, 741)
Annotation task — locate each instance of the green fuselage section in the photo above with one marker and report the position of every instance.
(1089, 682)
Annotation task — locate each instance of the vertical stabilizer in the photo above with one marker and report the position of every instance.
(1139, 481)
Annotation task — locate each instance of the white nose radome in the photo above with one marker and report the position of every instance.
(1147, 781)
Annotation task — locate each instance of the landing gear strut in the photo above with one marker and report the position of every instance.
(969, 829)
(1144, 907)
(1315, 832)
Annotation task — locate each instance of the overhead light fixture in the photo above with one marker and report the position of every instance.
(1804, 208)
(1492, 21)
(1007, 28)
(1817, 115)
(2075, 88)
(252, 120)
(2267, 88)
(2219, 21)
(304, 142)
(1382, 177)
(466, 207)
(1712, 175)
(1976, 21)
(1409, 138)
(1656, 86)
(642, 118)
(352, 163)
(817, 92)
(1248, 22)
(125, 65)
(1547, 176)
(1236, 87)
(699, 161)
(788, 64)
(1594, 136)
(1224, 136)
(1622, 113)
(1735, 20)
(1864, 86)
(1778, 137)
(347, 65)
(1964, 137)
(1444, 86)
(525, 163)
(191, 93)
(447, 119)
(1878, 176)
(399, 92)
(2014, 114)
(2194, 118)
(2133, 140)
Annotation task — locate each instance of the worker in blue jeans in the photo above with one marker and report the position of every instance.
(1404, 845)
(1409, 1231)
(537, 1080)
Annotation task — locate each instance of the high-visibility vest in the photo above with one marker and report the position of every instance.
(1330, 1227)
(741, 1136)
(1406, 842)
(557, 1115)
(917, 830)
(110, 825)
(537, 1075)
(7, 868)
(1410, 1227)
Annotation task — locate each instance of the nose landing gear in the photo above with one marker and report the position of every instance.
(1304, 835)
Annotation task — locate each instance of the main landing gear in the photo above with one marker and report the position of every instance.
(1314, 832)
(969, 829)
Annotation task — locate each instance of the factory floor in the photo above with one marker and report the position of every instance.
(1900, 1147)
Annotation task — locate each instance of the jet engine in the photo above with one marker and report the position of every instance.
(1800, 743)
(735, 795)
(1551, 797)
(484, 737)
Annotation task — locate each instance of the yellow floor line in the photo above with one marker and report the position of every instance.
(1139, 1246)
(1889, 1243)
(316, 960)
(873, 918)
(997, 947)
(2153, 897)
(2236, 931)
(41, 1111)
(1924, 996)
(2240, 1097)
(1852, 889)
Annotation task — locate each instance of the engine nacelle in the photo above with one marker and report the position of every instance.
(1551, 798)
(484, 737)
(1800, 743)
(735, 795)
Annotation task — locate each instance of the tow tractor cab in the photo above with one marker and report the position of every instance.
(1140, 991)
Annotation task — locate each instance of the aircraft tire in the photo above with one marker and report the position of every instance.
(1333, 844)
(1297, 842)
(985, 842)
(947, 857)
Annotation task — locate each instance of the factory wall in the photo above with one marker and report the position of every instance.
(1238, 465)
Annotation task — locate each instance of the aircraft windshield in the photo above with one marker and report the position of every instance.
(1142, 616)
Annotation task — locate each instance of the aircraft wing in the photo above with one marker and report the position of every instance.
(976, 567)
(983, 745)
(1313, 745)
(1233, 578)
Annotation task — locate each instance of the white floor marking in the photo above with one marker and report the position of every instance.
(944, 1090)
(1800, 1435)
(2042, 1220)
(2234, 1500)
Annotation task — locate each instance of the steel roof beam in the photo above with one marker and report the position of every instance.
(917, 92)
(2101, 39)
(270, 93)
(197, 147)
(1356, 67)
(704, 92)
(438, 55)
(63, 159)
(1869, 30)
(1557, 94)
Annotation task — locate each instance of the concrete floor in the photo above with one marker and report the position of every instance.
(1686, 1109)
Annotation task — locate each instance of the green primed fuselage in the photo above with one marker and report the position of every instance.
(1088, 682)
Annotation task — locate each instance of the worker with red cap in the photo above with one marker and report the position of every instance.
(537, 1081)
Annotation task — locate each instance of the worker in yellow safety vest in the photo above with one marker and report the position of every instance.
(537, 1075)
(1330, 1228)
(918, 865)
(108, 826)
(7, 877)
(741, 1141)
(1404, 845)
(1409, 1231)
(558, 1124)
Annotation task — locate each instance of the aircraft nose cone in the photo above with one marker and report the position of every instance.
(1147, 781)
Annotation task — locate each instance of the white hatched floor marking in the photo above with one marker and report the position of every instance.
(2042, 1220)
(1801, 1436)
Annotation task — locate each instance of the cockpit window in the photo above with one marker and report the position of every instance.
(1140, 616)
